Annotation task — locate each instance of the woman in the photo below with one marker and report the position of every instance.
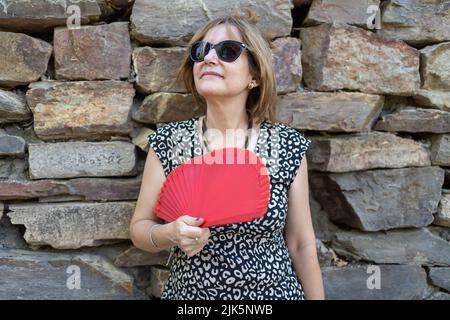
(228, 64)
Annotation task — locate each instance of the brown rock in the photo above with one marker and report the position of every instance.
(355, 59)
(417, 22)
(435, 66)
(82, 189)
(364, 151)
(42, 16)
(342, 11)
(287, 62)
(93, 52)
(410, 119)
(159, 279)
(167, 107)
(182, 19)
(332, 112)
(82, 109)
(156, 68)
(23, 59)
(136, 257)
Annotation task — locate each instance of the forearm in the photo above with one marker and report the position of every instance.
(140, 236)
(307, 267)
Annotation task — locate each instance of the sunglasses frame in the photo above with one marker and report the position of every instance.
(217, 46)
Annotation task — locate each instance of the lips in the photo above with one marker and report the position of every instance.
(211, 73)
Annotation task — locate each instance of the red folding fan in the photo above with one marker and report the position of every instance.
(229, 185)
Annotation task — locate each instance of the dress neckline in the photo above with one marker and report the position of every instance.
(254, 140)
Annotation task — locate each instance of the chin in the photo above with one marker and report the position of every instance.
(212, 92)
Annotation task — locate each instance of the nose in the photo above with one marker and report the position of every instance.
(211, 56)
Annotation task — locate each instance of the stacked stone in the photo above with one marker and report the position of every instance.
(375, 102)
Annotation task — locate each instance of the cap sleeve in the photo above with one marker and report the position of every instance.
(299, 145)
(158, 141)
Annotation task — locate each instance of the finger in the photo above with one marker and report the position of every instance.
(191, 232)
(192, 221)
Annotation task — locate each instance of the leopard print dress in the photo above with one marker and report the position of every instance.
(247, 260)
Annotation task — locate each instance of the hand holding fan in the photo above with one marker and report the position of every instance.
(229, 185)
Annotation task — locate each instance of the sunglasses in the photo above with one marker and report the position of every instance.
(227, 51)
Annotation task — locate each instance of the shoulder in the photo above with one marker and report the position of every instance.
(289, 136)
(168, 132)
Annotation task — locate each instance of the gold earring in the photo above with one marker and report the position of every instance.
(251, 85)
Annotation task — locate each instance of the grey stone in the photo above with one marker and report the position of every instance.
(324, 229)
(73, 225)
(81, 159)
(442, 217)
(380, 199)
(435, 66)
(42, 16)
(13, 107)
(323, 253)
(12, 169)
(440, 277)
(439, 296)
(440, 150)
(12, 146)
(136, 257)
(433, 99)
(413, 246)
(374, 282)
(33, 275)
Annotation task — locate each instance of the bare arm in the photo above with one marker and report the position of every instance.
(300, 236)
(181, 232)
(152, 180)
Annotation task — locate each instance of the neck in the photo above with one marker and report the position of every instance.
(226, 114)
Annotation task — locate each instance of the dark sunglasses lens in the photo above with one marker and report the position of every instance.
(229, 51)
(199, 50)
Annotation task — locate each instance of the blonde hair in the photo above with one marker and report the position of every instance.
(262, 100)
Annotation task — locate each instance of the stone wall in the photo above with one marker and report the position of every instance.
(77, 105)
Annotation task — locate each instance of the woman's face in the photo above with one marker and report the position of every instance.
(234, 76)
